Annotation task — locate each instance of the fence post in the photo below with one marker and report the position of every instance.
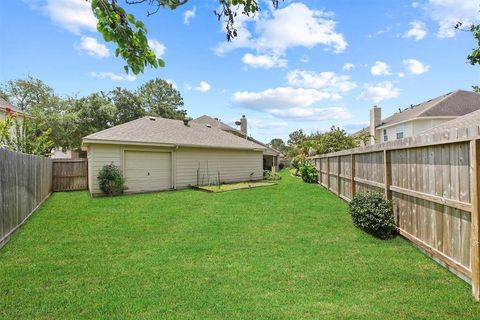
(328, 173)
(387, 178)
(352, 174)
(338, 175)
(475, 194)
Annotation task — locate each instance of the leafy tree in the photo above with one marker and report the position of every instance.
(19, 133)
(476, 89)
(295, 143)
(334, 140)
(278, 144)
(27, 93)
(128, 105)
(160, 98)
(130, 34)
(92, 113)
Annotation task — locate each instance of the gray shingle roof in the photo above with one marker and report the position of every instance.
(171, 132)
(453, 104)
(225, 127)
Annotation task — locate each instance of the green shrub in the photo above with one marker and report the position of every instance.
(308, 172)
(111, 180)
(372, 213)
(269, 175)
(297, 162)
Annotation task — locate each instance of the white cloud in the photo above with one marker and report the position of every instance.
(264, 61)
(265, 124)
(292, 26)
(379, 92)
(448, 12)
(415, 4)
(113, 76)
(189, 15)
(157, 47)
(415, 67)
(348, 66)
(323, 80)
(417, 31)
(93, 48)
(72, 15)
(203, 87)
(380, 68)
(291, 103)
(401, 74)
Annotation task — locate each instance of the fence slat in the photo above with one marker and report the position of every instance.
(25, 182)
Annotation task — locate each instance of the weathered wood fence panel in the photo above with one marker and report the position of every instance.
(69, 175)
(25, 182)
(433, 184)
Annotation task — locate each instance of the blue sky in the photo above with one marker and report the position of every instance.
(309, 64)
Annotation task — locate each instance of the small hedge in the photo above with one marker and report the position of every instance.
(372, 213)
(270, 175)
(308, 172)
(111, 180)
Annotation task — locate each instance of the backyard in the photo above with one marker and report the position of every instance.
(282, 251)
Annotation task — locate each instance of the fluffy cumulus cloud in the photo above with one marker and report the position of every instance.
(265, 61)
(113, 76)
(348, 66)
(379, 92)
(448, 12)
(380, 68)
(189, 15)
(93, 48)
(291, 103)
(293, 26)
(417, 31)
(203, 87)
(415, 67)
(328, 81)
(157, 47)
(72, 15)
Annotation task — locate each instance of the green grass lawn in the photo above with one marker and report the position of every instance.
(287, 251)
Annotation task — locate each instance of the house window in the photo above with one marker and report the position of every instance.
(400, 131)
(385, 136)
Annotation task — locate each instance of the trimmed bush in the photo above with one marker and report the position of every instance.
(111, 180)
(372, 213)
(269, 175)
(308, 172)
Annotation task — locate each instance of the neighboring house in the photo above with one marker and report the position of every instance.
(418, 118)
(6, 107)
(271, 157)
(160, 154)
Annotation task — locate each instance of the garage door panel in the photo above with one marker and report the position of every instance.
(147, 171)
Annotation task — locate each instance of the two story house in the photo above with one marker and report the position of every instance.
(418, 118)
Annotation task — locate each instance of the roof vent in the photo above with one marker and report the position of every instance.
(185, 122)
(152, 118)
(208, 125)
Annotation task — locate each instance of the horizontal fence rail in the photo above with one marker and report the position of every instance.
(70, 175)
(434, 189)
(25, 182)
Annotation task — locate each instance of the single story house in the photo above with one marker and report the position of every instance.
(160, 154)
(416, 119)
(271, 157)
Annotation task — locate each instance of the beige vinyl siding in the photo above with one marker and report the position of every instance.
(229, 165)
(98, 156)
(233, 165)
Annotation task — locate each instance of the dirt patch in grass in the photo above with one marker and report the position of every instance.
(236, 186)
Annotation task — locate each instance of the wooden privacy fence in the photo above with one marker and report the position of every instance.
(433, 182)
(69, 175)
(25, 182)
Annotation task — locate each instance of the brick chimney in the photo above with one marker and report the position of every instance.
(243, 125)
(375, 121)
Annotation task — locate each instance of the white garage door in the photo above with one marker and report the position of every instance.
(147, 171)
